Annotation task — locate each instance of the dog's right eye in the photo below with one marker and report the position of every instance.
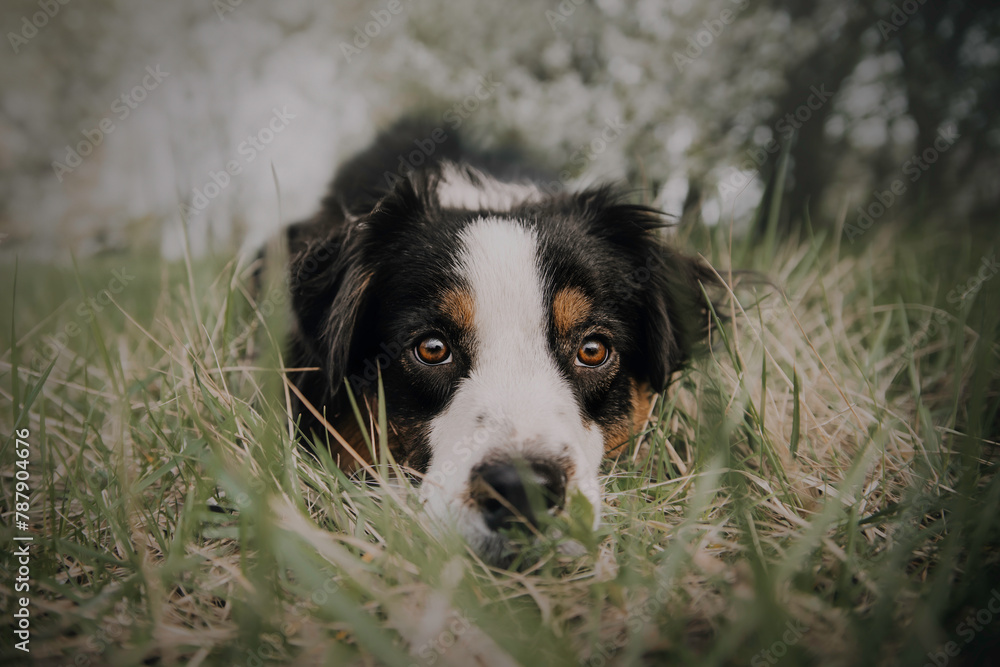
(592, 353)
(432, 351)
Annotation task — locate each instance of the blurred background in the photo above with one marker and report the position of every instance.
(120, 120)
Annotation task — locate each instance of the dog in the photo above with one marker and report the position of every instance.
(519, 331)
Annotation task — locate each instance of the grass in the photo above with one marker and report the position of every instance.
(819, 488)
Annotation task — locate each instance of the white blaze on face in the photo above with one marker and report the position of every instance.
(515, 402)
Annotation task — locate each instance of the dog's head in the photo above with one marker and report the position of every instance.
(519, 335)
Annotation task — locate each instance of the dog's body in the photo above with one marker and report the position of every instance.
(519, 334)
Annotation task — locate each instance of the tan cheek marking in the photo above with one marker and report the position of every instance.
(569, 307)
(618, 433)
(459, 306)
(642, 400)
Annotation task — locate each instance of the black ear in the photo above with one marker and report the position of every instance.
(328, 288)
(676, 310)
(331, 271)
(665, 287)
(319, 262)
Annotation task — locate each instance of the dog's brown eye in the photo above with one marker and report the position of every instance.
(593, 352)
(432, 351)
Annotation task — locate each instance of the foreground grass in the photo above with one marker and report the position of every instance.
(819, 488)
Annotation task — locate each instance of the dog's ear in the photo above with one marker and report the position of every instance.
(319, 273)
(332, 260)
(665, 287)
(327, 297)
(676, 310)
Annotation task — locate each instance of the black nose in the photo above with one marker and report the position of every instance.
(511, 490)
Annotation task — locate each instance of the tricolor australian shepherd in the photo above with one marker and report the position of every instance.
(520, 331)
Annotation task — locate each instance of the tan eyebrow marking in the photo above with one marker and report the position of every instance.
(570, 307)
(458, 304)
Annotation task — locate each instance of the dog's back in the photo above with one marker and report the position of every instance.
(417, 143)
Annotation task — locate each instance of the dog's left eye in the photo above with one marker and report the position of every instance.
(592, 353)
(432, 351)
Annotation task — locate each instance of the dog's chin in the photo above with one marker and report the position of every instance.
(501, 551)
(495, 549)
(515, 545)
(492, 547)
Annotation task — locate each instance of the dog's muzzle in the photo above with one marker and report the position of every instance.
(513, 491)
